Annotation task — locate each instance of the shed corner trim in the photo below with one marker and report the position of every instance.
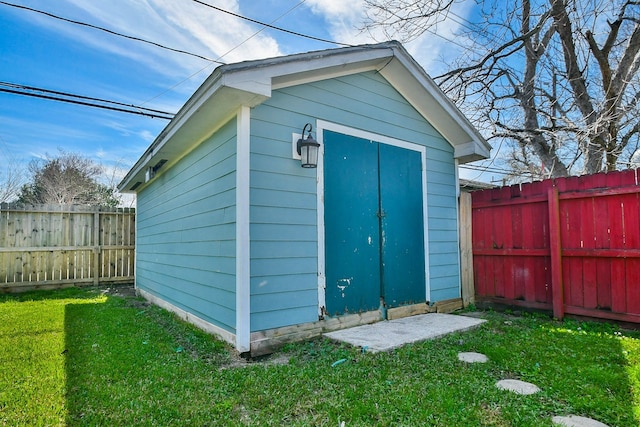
(243, 240)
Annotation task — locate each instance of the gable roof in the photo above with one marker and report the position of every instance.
(250, 83)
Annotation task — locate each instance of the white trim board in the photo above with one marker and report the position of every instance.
(321, 126)
(243, 239)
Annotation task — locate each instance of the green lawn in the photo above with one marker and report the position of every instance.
(78, 357)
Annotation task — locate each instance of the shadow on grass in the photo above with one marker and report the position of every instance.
(107, 344)
(65, 293)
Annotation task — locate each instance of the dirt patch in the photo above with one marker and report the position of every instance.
(270, 360)
(128, 293)
(127, 290)
(492, 414)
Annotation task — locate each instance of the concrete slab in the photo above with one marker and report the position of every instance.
(387, 335)
(518, 387)
(472, 357)
(576, 421)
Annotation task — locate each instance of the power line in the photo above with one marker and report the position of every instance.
(272, 26)
(84, 24)
(485, 169)
(32, 88)
(89, 104)
(70, 98)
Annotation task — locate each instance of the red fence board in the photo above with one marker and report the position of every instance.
(590, 250)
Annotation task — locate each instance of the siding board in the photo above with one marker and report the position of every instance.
(283, 233)
(278, 215)
(283, 300)
(276, 181)
(286, 199)
(281, 284)
(273, 319)
(273, 249)
(265, 267)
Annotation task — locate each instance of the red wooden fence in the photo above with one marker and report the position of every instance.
(571, 245)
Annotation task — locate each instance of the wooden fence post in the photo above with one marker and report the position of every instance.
(96, 247)
(555, 245)
(466, 250)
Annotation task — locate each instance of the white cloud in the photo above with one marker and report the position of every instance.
(146, 135)
(350, 9)
(343, 18)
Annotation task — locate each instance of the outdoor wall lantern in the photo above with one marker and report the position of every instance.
(308, 148)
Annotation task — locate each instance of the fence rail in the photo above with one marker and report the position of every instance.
(570, 245)
(51, 246)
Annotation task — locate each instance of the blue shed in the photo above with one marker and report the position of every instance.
(236, 237)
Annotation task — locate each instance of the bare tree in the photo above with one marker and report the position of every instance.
(556, 79)
(112, 176)
(11, 178)
(66, 179)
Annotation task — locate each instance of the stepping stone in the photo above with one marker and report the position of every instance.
(472, 357)
(576, 421)
(518, 387)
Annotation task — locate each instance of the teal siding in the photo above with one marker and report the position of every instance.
(186, 232)
(283, 195)
(283, 233)
(444, 267)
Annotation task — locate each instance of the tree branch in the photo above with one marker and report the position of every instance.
(495, 52)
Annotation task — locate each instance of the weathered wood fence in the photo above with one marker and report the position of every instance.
(570, 245)
(49, 246)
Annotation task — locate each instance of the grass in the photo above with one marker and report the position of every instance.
(80, 357)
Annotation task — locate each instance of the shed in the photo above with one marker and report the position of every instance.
(236, 237)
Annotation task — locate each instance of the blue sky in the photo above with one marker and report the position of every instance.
(40, 51)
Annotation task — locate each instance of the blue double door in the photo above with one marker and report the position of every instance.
(374, 225)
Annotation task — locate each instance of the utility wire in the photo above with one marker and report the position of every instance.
(485, 169)
(273, 26)
(109, 31)
(53, 95)
(32, 88)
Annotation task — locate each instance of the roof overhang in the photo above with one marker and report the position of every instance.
(250, 83)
